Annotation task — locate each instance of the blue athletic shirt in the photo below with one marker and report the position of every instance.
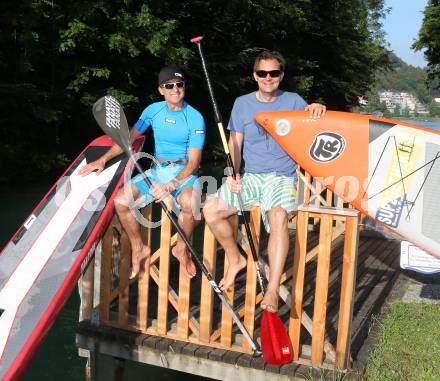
(261, 153)
(174, 131)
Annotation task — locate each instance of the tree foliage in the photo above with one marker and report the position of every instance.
(403, 77)
(429, 38)
(58, 57)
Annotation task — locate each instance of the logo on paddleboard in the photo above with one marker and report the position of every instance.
(282, 127)
(327, 147)
(390, 213)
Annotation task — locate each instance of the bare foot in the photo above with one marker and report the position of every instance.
(270, 301)
(138, 260)
(233, 269)
(182, 255)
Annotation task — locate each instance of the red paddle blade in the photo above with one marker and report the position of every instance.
(275, 342)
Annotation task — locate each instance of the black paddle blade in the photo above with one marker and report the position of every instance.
(111, 118)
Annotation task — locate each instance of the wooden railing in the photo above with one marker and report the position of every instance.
(154, 303)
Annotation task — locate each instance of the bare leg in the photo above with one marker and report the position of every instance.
(186, 200)
(217, 212)
(277, 249)
(139, 251)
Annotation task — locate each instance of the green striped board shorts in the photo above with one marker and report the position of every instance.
(267, 190)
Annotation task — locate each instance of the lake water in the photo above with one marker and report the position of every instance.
(57, 358)
(434, 125)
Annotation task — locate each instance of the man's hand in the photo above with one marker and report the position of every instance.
(234, 185)
(97, 165)
(161, 191)
(316, 110)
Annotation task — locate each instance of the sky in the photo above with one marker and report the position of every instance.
(402, 26)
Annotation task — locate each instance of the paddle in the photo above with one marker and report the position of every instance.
(275, 344)
(111, 118)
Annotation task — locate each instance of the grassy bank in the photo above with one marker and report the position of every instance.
(408, 348)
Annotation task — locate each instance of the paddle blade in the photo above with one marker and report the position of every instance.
(111, 118)
(275, 342)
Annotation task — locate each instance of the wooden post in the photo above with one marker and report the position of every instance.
(165, 242)
(307, 191)
(207, 295)
(321, 292)
(124, 286)
(226, 322)
(86, 288)
(251, 275)
(106, 265)
(318, 199)
(347, 292)
(299, 264)
(183, 304)
(144, 276)
(329, 197)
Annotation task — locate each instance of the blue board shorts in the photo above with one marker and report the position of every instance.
(163, 174)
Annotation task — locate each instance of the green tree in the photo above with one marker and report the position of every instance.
(434, 108)
(429, 37)
(58, 57)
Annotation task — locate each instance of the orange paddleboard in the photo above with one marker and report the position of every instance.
(387, 169)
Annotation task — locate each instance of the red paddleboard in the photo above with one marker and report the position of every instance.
(42, 262)
(389, 170)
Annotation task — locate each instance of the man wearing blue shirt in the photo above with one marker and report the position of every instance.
(179, 135)
(269, 180)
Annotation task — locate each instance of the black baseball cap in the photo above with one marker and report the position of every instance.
(169, 72)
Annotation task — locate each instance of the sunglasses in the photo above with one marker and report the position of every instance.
(170, 85)
(272, 73)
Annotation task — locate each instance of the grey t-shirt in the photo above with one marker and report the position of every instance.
(261, 153)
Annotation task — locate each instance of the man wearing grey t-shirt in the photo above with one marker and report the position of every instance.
(269, 180)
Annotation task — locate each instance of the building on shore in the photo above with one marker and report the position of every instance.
(401, 102)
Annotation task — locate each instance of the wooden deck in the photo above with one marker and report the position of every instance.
(335, 280)
(377, 270)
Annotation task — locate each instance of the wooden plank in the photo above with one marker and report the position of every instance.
(347, 293)
(206, 295)
(144, 276)
(337, 233)
(240, 313)
(226, 321)
(86, 290)
(311, 192)
(339, 205)
(346, 212)
(183, 304)
(173, 300)
(299, 265)
(251, 275)
(308, 187)
(106, 265)
(306, 321)
(124, 286)
(366, 259)
(321, 292)
(318, 200)
(329, 198)
(165, 242)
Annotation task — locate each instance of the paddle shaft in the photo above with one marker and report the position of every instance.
(218, 120)
(117, 132)
(199, 262)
